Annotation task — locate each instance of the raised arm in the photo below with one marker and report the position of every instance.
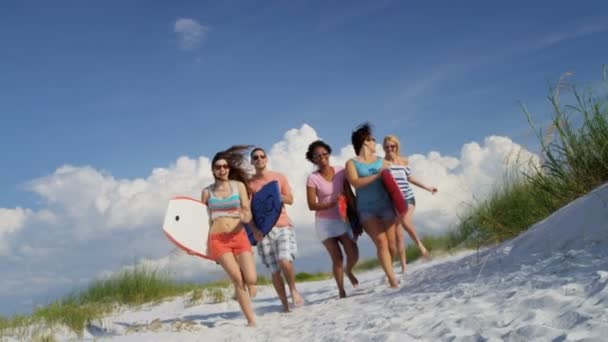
(417, 183)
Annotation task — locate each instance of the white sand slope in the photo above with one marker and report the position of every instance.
(549, 283)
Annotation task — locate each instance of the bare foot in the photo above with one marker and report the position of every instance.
(297, 299)
(353, 280)
(393, 283)
(403, 269)
(253, 290)
(251, 324)
(286, 308)
(425, 254)
(342, 293)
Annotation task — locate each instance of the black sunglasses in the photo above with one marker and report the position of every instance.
(320, 155)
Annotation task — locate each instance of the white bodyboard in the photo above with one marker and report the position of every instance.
(187, 225)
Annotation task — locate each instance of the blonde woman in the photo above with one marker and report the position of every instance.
(400, 169)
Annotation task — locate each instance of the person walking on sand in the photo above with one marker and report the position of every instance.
(402, 172)
(278, 249)
(373, 203)
(228, 205)
(323, 188)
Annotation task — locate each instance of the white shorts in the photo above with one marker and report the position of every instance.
(329, 228)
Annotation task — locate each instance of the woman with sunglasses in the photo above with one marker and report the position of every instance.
(227, 201)
(375, 208)
(402, 172)
(323, 187)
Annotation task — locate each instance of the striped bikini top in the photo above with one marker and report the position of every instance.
(224, 207)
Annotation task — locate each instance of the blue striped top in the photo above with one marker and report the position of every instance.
(401, 173)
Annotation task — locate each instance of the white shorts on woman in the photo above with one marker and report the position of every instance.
(329, 228)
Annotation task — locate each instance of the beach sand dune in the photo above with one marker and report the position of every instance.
(549, 283)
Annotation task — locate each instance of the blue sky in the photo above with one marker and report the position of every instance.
(108, 86)
(113, 86)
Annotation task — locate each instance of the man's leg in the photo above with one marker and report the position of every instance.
(286, 252)
(279, 286)
(267, 250)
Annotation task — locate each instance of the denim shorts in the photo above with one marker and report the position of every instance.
(383, 213)
(411, 201)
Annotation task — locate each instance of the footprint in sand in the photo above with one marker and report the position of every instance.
(226, 323)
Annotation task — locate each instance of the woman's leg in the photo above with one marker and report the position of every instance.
(250, 277)
(374, 227)
(352, 256)
(333, 248)
(231, 266)
(408, 225)
(400, 241)
(391, 236)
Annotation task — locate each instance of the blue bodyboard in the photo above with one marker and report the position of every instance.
(266, 206)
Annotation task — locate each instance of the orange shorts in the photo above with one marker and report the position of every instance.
(235, 243)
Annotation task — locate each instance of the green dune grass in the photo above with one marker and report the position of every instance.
(574, 161)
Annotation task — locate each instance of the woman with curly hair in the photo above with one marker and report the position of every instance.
(323, 188)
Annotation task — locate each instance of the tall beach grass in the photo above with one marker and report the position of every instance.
(574, 161)
(133, 286)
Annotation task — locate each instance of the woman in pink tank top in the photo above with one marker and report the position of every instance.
(323, 188)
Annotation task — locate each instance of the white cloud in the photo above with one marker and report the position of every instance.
(460, 180)
(14, 221)
(190, 33)
(93, 222)
(94, 202)
(11, 220)
(464, 180)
